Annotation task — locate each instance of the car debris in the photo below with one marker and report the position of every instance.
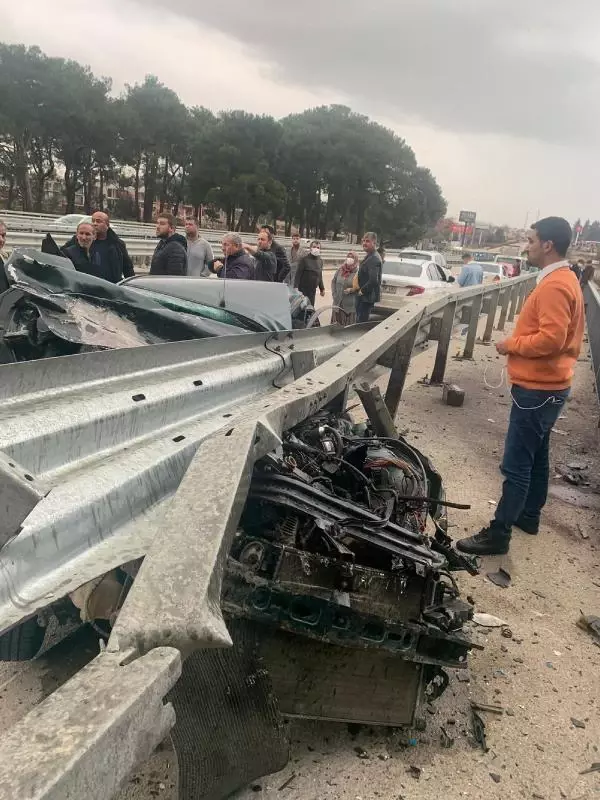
(500, 578)
(591, 624)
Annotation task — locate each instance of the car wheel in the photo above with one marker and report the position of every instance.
(23, 642)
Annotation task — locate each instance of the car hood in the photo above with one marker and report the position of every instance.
(85, 310)
(266, 304)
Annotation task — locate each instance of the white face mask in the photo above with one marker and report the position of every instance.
(350, 262)
(315, 251)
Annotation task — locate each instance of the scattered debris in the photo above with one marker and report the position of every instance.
(384, 756)
(256, 787)
(582, 533)
(591, 624)
(287, 783)
(577, 465)
(453, 395)
(509, 712)
(560, 433)
(479, 730)
(501, 578)
(488, 620)
(415, 772)
(507, 633)
(550, 665)
(495, 777)
(446, 740)
(594, 768)
(537, 796)
(485, 707)
(493, 421)
(574, 478)
(577, 723)
(361, 752)
(463, 676)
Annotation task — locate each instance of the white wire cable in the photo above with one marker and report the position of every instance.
(552, 399)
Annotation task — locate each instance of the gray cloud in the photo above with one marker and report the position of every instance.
(491, 66)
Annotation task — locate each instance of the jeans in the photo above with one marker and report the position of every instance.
(526, 464)
(363, 310)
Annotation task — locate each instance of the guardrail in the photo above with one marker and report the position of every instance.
(104, 454)
(592, 313)
(27, 230)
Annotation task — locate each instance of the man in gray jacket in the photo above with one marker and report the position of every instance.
(199, 251)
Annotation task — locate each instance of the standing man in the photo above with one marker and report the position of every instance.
(471, 273)
(115, 261)
(266, 263)
(283, 265)
(309, 273)
(80, 251)
(170, 257)
(369, 278)
(542, 353)
(3, 278)
(293, 257)
(237, 265)
(588, 273)
(2, 240)
(199, 251)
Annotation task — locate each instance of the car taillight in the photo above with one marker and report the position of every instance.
(415, 290)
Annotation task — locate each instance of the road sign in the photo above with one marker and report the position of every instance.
(467, 216)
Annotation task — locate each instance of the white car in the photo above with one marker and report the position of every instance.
(69, 222)
(492, 271)
(426, 255)
(403, 277)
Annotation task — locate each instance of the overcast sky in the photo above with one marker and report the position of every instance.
(499, 98)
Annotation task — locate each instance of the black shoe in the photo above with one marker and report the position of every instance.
(528, 525)
(488, 542)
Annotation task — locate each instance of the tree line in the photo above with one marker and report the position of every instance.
(326, 170)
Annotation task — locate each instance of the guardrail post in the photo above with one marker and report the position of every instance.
(522, 296)
(504, 309)
(402, 355)
(303, 361)
(439, 368)
(491, 319)
(473, 324)
(514, 299)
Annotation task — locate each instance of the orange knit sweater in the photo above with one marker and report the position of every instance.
(548, 335)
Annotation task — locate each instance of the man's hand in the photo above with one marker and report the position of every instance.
(218, 265)
(502, 347)
(348, 291)
(322, 292)
(250, 248)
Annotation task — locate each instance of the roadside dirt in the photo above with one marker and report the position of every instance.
(544, 677)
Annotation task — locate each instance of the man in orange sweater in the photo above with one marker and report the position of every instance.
(541, 357)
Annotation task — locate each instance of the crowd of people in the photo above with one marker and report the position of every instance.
(97, 250)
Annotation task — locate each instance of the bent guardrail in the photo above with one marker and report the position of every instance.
(151, 430)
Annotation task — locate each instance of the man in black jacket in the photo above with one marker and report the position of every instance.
(283, 264)
(237, 265)
(309, 273)
(80, 251)
(266, 263)
(369, 278)
(106, 238)
(170, 257)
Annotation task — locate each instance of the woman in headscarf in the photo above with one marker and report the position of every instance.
(343, 292)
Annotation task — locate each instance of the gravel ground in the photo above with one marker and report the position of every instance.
(544, 677)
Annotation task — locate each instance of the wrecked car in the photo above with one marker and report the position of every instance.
(47, 309)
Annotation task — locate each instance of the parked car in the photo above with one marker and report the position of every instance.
(69, 222)
(492, 271)
(427, 255)
(402, 278)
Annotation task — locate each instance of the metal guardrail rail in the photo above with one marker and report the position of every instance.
(592, 312)
(105, 453)
(26, 230)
